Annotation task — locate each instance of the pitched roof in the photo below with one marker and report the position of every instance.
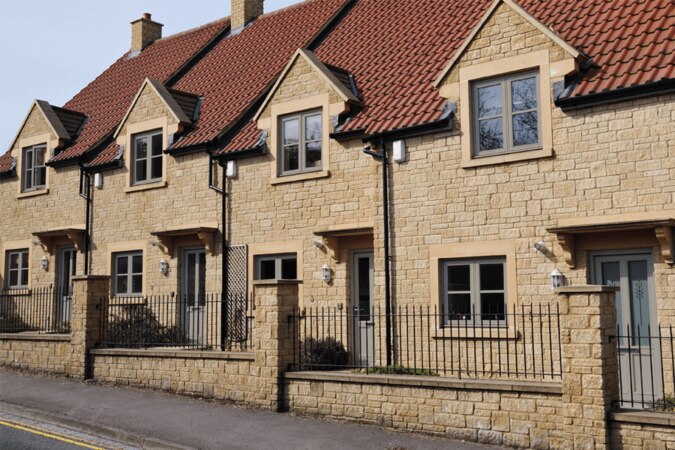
(106, 100)
(7, 164)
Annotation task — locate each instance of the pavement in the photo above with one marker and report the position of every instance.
(149, 419)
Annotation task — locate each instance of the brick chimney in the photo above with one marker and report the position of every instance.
(243, 11)
(144, 32)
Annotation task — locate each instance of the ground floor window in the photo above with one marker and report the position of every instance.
(17, 269)
(128, 273)
(474, 290)
(276, 267)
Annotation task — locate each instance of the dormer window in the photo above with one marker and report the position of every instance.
(147, 157)
(506, 114)
(301, 143)
(34, 169)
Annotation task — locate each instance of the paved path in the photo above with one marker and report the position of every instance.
(192, 423)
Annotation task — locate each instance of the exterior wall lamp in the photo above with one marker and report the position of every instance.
(231, 169)
(44, 263)
(163, 266)
(326, 273)
(557, 279)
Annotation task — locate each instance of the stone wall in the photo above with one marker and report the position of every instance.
(520, 414)
(640, 431)
(220, 375)
(36, 353)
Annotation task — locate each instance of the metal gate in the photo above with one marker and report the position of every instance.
(237, 286)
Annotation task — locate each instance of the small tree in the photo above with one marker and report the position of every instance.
(323, 354)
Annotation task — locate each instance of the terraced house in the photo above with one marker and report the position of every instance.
(453, 217)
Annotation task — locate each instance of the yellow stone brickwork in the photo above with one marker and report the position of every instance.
(36, 355)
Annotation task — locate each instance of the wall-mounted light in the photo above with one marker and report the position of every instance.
(326, 273)
(98, 180)
(231, 169)
(163, 267)
(399, 151)
(557, 279)
(44, 263)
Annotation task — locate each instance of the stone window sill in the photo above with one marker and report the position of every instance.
(507, 158)
(33, 193)
(301, 177)
(146, 187)
(478, 333)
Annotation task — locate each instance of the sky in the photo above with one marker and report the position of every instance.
(51, 49)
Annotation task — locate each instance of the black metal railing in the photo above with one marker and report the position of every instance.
(44, 309)
(646, 367)
(177, 321)
(524, 343)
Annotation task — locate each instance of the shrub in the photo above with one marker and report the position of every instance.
(323, 354)
(138, 326)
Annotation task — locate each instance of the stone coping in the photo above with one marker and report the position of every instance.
(168, 353)
(543, 387)
(589, 289)
(644, 417)
(34, 337)
(275, 282)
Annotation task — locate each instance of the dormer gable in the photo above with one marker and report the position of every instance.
(338, 81)
(526, 17)
(154, 101)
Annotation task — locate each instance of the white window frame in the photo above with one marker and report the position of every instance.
(129, 275)
(277, 265)
(302, 142)
(148, 158)
(474, 291)
(507, 114)
(24, 258)
(29, 166)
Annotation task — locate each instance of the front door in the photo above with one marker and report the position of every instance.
(66, 266)
(194, 296)
(638, 343)
(363, 320)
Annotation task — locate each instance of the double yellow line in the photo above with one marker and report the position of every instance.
(49, 435)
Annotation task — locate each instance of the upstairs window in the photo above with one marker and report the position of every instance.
(128, 274)
(34, 169)
(17, 269)
(505, 114)
(301, 143)
(147, 157)
(475, 291)
(276, 267)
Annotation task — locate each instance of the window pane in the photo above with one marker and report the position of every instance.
(491, 277)
(141, 148)
(157, 144)
(639, 298)
(491, 134)
(291, 160)
(141, 170)
(29, 179)
(489, 101)
(28, 159)
(40, 176)
(313, 127)
(24, 277)
(525, 128)
(313, 154)
(137, 264)
(459, 306)
(121, 285)
(122, 265)
(289, 269)
(524, 94)
(39, 156)
(291, 131)
(459, 278)
(267, 269)
(157, 167)
(24, 260)
(137, 284)
(14, 261)
(492, 306)
(13, 278)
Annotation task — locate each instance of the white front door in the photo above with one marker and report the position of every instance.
(194, 295)
(363, 325)
(637, 327)
(66, 266)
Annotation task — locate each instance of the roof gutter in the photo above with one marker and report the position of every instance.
(662, 87)
(241, 154)
(444, 124)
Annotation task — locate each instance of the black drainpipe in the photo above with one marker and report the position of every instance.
(225, 262)
(85, 193)
(387, 262)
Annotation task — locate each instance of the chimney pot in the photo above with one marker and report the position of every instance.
(144, 31)
(243, 11)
